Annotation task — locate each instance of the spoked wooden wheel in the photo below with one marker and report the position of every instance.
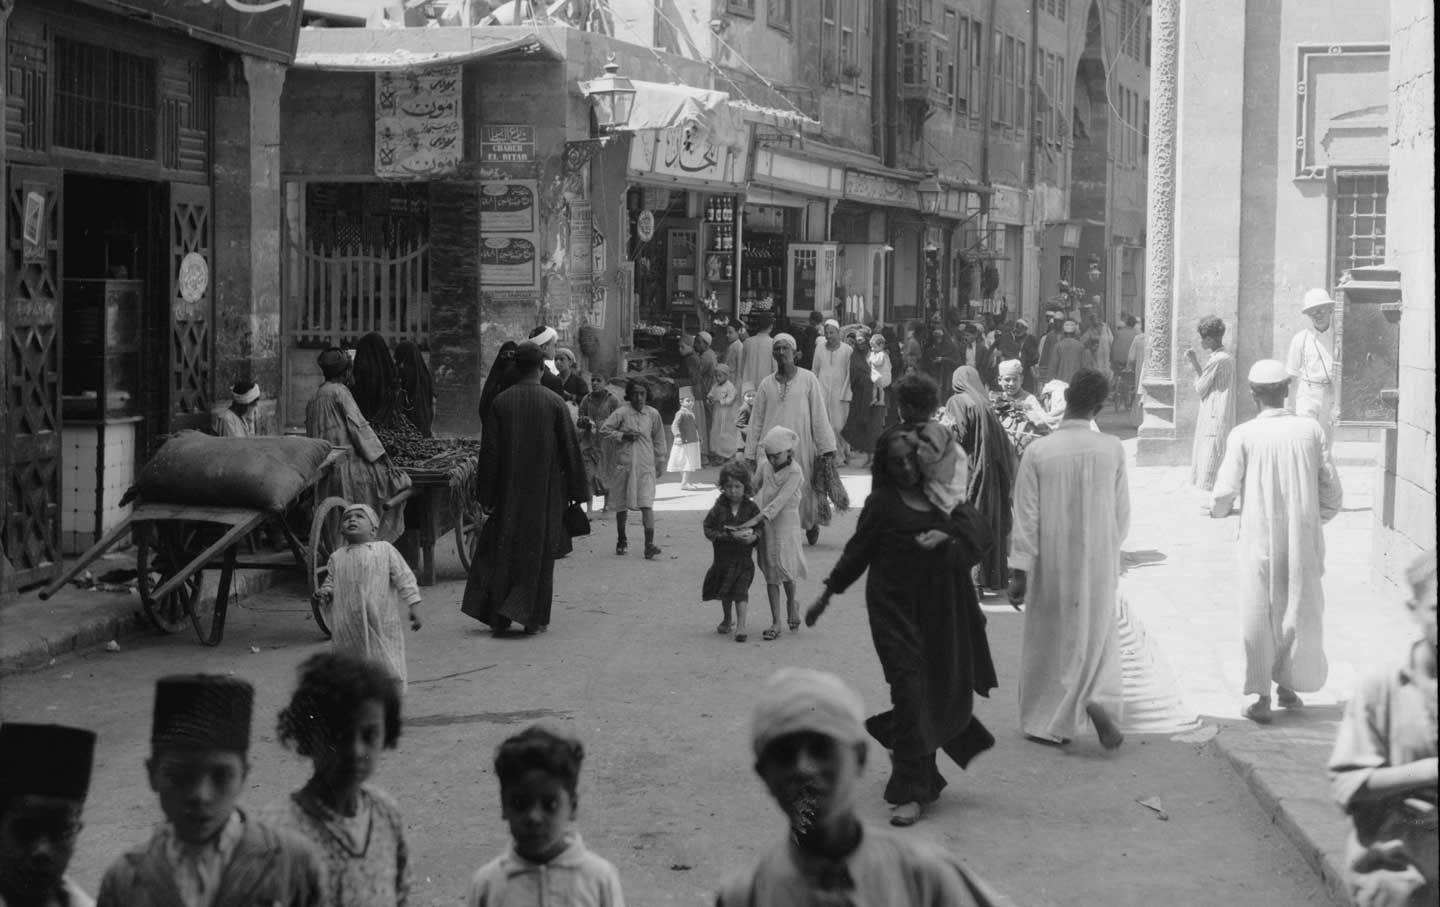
(162, 550)
(324, 538)
(467, 531)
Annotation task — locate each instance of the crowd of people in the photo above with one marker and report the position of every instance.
(983, 492)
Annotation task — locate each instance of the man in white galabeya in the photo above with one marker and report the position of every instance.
(1311, 362)
(1277, 466)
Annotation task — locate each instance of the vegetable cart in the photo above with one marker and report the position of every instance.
(445, 497)
(176, 543)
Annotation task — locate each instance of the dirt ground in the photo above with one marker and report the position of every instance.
(632, 665)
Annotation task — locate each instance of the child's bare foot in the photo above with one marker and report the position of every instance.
(1110, 736)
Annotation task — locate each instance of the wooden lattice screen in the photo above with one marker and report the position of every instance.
(191, 339)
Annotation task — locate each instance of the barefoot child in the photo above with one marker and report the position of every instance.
(365, 584)
(345, 711)
(208, 851)
(685, 452)
(729, 577)
(1383, 771)
(547, 863)
(782, 557)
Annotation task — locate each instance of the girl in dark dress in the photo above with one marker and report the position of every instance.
(925, 621)
(730, 576)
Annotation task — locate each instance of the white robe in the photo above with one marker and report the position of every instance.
(757, 360)
(1072, 511)
(782, 554)
(369, 582)
(1216, 386)
(832, 368)
(799, 407)
(1276, 464)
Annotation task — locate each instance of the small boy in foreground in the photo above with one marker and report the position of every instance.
(1383, 769)
(539, 774)
(809, 739)
(44, 778)
(208, 852)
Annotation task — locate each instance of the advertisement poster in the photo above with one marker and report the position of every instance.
(508, 262)
(509, 207)
(418, 123)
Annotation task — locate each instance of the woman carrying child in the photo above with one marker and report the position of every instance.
(547, 863)
(733, 570)
(344, 713)
(366, 582)
(685, 451)
(782, 555)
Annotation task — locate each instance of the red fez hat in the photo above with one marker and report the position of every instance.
(202, 712)
(47, 760)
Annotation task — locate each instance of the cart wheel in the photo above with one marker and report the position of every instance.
(163, 549)
(208, 618)
(324, 537)
(467, 533)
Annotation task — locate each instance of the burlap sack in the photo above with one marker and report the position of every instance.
(264, 473)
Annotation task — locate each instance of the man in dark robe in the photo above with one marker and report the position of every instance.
(530, 469)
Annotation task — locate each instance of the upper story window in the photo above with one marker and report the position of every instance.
(105, 100)
(1055, 8)
(780, 15)
(1134, 26)
(741, 7)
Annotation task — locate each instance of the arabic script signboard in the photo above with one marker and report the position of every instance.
(501, 144)
(265, 28)
(683, 155)
(418, 123)
(510, 235)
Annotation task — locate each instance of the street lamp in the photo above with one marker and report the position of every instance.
(930, 192)
(614, 97)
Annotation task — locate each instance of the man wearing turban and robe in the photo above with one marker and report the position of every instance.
(1277, 466)
(831, 365)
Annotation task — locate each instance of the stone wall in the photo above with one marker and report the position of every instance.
(1405, 499)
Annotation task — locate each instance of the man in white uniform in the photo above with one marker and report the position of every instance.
(1311, 361)
(831, 362)
(1276, 464)
(1072, 511)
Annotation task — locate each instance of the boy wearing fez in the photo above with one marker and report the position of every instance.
(208, 853)
(44, 777)
(809, 739)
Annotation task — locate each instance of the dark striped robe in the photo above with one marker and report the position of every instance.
(530, 469)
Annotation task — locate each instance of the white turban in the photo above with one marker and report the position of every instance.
(779, 439)
(801, 700)
(249, 396)
(705, 336)
(832, 323)
(546, 336)
(1012, 367)
(1268, 371)
(787, 338)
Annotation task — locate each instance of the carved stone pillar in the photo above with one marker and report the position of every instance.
(1156, 440)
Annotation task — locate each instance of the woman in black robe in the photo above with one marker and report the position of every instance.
(993, 465)
(858, 432)
(502, 375)
(417, 399)
(376, 382)
(925, 621)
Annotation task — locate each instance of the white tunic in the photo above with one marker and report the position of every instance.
(799, 405)
(1072, 511)
(832, 368)
(1277, 466)
(1216, 386)
(370, 582)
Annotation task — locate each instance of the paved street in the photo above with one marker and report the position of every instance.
(633, 666)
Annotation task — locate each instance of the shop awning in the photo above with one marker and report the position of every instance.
(661, 105)
(393, 49)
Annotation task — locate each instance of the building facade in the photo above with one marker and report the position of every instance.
(142, 216)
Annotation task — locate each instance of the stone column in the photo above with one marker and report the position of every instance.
(1156, 440)
(265, 79)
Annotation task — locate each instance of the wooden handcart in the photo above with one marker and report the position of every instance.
(446, 504)
(176, 543)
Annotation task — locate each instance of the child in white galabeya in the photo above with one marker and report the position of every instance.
(782, 554)
(547, 863)
(365, 585)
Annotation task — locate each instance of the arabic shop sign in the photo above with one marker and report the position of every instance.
(681, 154)
(418, 123)
(265, 28)
(507, 144)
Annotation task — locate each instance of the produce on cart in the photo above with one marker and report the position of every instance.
(442, 470)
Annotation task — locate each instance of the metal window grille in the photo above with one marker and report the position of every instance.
(1359, 221)
(105, 101)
